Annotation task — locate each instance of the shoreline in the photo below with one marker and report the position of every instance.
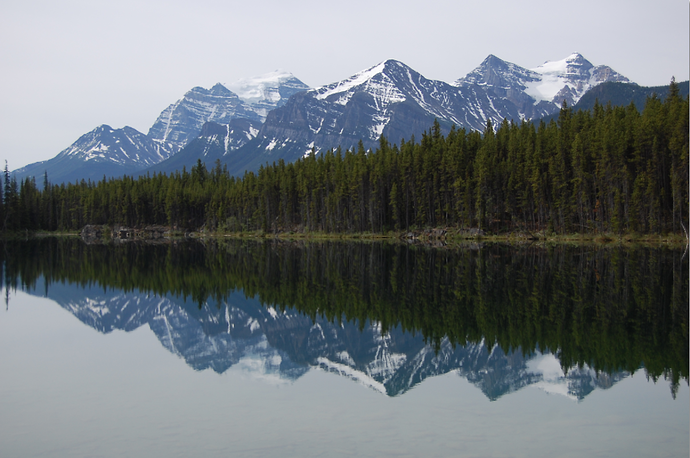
(676, 240)
(447, 239)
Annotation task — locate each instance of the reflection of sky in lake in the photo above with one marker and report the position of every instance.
(67, 390)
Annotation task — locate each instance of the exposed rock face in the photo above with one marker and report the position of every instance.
(266, 92)
(182, 121)
(126, 146)
(94, 234)
(103, 152)
(215, 141)
(504, 80)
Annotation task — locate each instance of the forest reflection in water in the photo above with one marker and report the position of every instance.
(595, 312)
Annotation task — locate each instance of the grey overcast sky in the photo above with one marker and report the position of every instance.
(68, 66)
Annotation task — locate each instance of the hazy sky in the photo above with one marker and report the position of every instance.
(68, 66)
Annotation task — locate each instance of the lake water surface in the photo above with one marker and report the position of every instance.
(242, 348)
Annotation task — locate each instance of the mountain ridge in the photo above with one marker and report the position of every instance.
(102, 152)
(393, 100)
(284, 119)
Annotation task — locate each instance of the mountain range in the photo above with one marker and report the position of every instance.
(276, 116)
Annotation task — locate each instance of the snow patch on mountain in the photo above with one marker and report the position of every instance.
(261, 88)
(311, 149)
(272, 144)
(495, 72)
(348, 84)
(554, 77)
(568, 79)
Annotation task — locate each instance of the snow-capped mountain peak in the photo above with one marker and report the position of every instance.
(496, 72)
(125, 146)
(182, 121)
(568, 79)
(219, 90)
(573, 64)
(368, 104)
(266, 87)
(104, 151)
(350, 83)
(539, 91)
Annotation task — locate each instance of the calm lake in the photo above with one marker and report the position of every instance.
(242, 348)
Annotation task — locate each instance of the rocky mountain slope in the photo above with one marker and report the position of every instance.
(116, 152)
(182, 121)
(102, 152)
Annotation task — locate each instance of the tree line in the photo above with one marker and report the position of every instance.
(608, 170)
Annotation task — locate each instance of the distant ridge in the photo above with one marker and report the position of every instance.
(621, 94)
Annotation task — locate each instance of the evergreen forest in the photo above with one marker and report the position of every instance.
(607, 170)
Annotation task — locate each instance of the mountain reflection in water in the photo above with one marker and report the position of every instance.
(566, 319)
